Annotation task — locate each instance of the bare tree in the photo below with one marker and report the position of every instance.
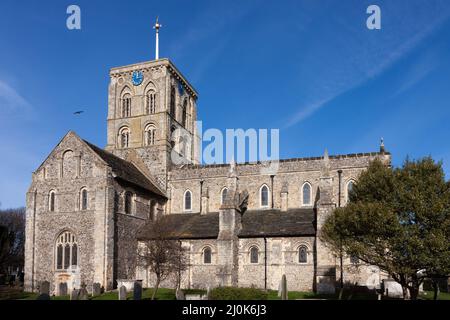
(180, 264)
(162, 255)
(12, 238)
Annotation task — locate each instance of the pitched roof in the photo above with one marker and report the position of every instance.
(185, 226)
(257, 223)
(275, 223)
(125, 170)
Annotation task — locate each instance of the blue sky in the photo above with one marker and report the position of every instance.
(310, 68)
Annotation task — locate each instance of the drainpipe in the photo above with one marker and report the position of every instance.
(271, 188)
(265, 263)
(341, 262)
(340, 180)
(201, 192)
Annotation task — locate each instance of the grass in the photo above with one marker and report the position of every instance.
(169, 294)
(162, 294)
(428, 295)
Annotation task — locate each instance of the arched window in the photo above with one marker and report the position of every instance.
(350, 186)
(188, 201)
(124, 137)
(264, 196)
(128, 202)
(66, 251)
(152, 211)
(69, 164)
(184, 114)
(51, 201)
(302, 254)
(126, 105)
(254, 255)
(306, 194)
(172, 101)
(223, 195)
(150, 102)
(207, 255)
(150, 135)
(83, 199)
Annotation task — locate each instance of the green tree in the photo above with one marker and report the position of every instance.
(398, 220)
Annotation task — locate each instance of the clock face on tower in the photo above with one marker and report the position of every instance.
(137, 78)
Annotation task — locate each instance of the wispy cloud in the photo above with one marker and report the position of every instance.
(417, 73)
(368, 61)
(11, 101)
(214, 25)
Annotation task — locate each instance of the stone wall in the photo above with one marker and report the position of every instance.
(282, 258)
(293, 173)
(69, 168)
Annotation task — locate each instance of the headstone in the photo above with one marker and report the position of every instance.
(63, 289)
(122, 293)
(284, 292)
(83, 293)
(179, 294)
(44, 288)
(74, 294)
(137, 290)
(208, 293)
(96, 289)
(43, 296)
(392, 289)
(279, 288)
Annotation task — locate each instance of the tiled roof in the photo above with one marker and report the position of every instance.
(125, 170)
(257, 223)
(275, 223)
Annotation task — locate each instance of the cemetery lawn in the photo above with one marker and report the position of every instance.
(162, 294)
(7, 293)
(428, 295)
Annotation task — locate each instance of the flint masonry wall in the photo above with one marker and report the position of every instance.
(293, 172)
(282, 258)
(126, 226)
(68, 169)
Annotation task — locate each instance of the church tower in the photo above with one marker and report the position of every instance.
(152, 113)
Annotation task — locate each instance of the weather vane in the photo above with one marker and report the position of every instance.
(157, 26)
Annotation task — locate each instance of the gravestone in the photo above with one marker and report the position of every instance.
(179, 294)
(96, 289)
(63, 289)
(43, 296)
(284, 292)
(137, 290)
(279, 288)
(83, 294)
(208, 293)
(44, 291)
(122, 293)
(392, 289)
(44, 287)
(74, 294)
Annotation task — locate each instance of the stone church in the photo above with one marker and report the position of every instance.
(88, 208)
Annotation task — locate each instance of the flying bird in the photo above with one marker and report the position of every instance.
(78, 112)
